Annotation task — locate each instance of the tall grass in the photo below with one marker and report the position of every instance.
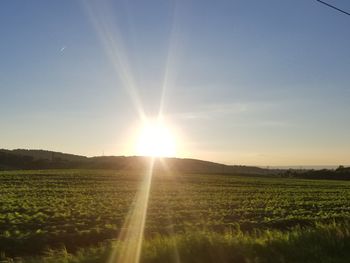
(323, 243)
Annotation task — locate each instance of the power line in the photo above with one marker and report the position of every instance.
(334, 7)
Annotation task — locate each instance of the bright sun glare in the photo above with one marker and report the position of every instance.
(156, 140)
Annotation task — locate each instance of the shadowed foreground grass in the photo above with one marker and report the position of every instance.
(323, 243)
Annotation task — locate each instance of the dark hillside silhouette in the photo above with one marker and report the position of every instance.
(40, 159)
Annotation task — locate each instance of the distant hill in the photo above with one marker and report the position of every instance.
(38, 159)
(173, 164)
(41, 159)
(47, 155)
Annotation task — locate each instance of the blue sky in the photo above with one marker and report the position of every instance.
(247, 82)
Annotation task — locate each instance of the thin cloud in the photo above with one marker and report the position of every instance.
(215, 110)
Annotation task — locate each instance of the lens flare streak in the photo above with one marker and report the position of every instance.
(112, 41)
(131, 235)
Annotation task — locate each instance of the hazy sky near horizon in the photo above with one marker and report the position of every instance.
(241, 81)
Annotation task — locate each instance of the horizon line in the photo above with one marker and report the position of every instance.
(267, 166)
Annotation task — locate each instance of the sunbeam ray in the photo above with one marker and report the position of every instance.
(131, 235)
(172, 55)
(110, 37)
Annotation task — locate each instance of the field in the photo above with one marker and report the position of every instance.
(74, 216)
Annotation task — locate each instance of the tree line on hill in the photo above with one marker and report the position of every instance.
(341, 173)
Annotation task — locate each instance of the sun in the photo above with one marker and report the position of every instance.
(156, 140)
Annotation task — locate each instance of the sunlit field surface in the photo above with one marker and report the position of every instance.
(74, 216)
